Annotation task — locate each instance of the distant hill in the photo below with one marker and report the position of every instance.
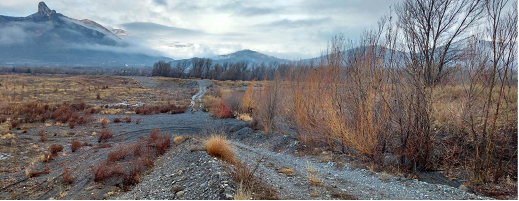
(249, 56)
(246, 55)
(48, 38)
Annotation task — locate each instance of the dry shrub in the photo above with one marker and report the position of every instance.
(67, 178)
(105, 135)
(102, 172)
(55, 148)
(148, 110)
(75, 145)
(118, 154)
(160, 142)
(247, 103)
(117, 120)
(218, 146)
(72, 124)
(128, 119)
(35, 173)
(223, 111)
(16, 124)
(104, 122)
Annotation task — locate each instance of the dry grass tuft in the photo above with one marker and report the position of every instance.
(242, 193)
(179, 139)
(313, 176)
(46, 157)
(244, 117)
(286, 170)
(218, 146)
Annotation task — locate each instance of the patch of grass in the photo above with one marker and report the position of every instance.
(313, 176)
(179, 139)
(286, 170)
(218, 146)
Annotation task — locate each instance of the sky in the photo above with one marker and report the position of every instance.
(289, 29)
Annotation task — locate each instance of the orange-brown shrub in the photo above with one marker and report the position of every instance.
(158, 141)
(55, 148)
(67, 178)
(102, 172)
(219, 146)
(118, 154)
(128, 119)
(104, 122)
(117, 120)
(75, 145)
(105, 135)
(223, 111)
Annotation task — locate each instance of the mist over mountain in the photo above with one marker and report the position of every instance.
(48, 38)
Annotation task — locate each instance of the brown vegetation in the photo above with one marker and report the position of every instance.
(218, 146)
(105, 135)
(67, 178)
(55, 148)
(35, 173)
(129, 160)
(76, 145)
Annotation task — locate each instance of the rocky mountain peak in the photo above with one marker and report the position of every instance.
(44, 10)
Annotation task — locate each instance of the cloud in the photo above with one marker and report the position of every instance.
(150, 27)
(21, 32)
(161, 2)
(254, 11)
(296, 23)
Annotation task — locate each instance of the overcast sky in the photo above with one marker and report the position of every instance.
(290, 29)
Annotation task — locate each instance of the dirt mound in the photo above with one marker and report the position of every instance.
(185, 175)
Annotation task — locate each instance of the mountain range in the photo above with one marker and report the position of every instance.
(48, 38)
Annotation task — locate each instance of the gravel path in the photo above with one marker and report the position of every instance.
(345, 183)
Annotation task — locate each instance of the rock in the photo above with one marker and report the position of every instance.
(179, 194)
(464, 188)
(228, 196)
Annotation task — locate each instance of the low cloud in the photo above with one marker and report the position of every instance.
(153, 28)
(21, 32)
